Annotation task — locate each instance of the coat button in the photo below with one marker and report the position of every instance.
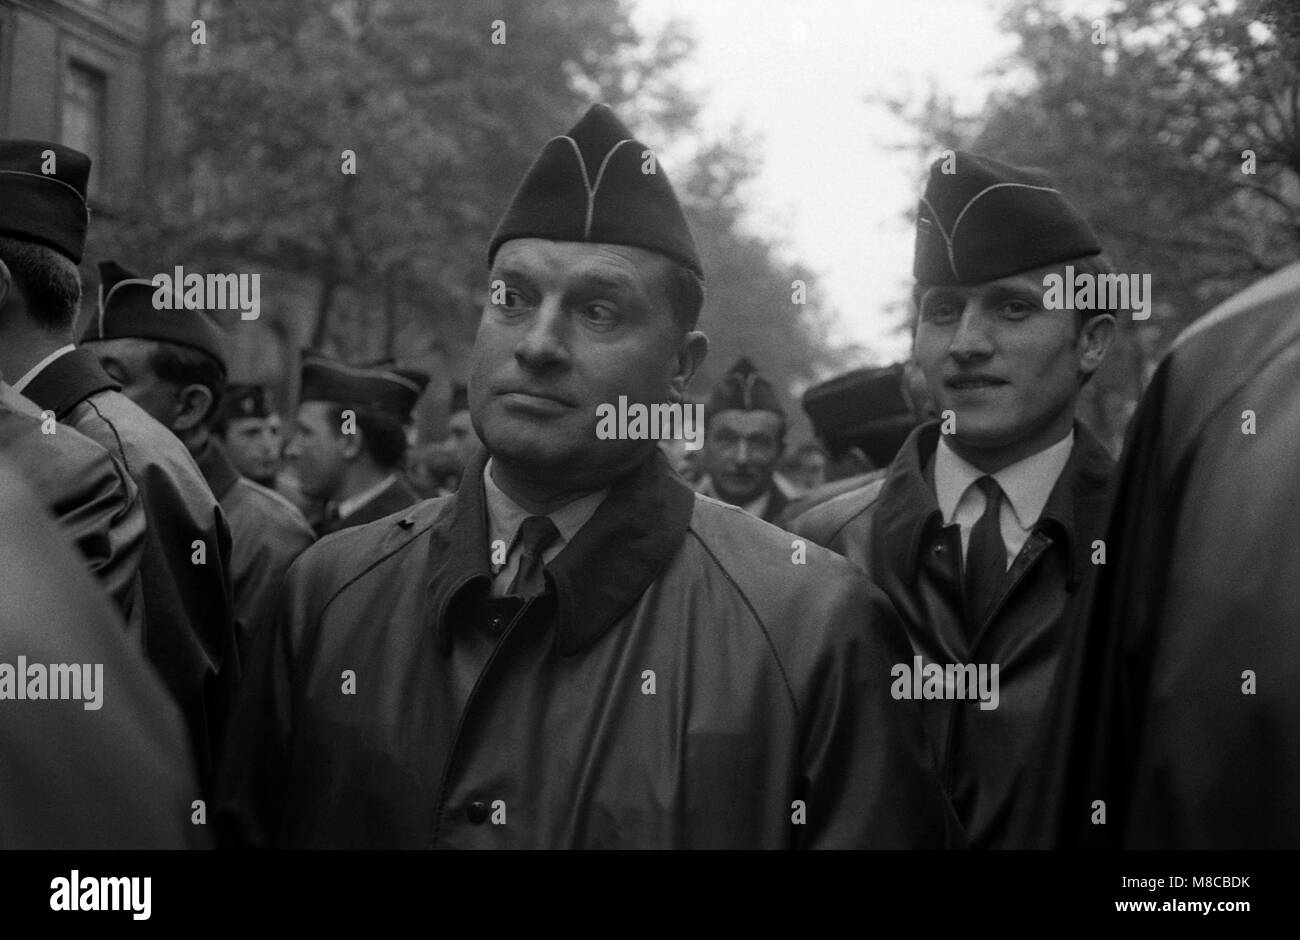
(496, 623)
(477, 812)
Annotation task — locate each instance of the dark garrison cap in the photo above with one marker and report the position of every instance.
(989, 220)
(126, 311)
(46, 208)
(863, 408)
(743, 389)
(245, 401)
(382, 388)
(588, 186)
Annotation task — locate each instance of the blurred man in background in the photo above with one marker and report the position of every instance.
(248, 427)
(744, 438)
(172, 363)
(350, 439)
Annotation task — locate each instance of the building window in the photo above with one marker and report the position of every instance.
(85, 91)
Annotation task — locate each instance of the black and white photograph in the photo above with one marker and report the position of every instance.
(867, 425)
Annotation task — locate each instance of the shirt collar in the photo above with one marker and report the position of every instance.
(633, 535)
(353, 503)
(1027, 483)
(35, 370)
(505, 516)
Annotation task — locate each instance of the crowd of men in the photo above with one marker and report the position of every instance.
(981, 633)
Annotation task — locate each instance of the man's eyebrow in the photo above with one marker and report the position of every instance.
(1003, 292)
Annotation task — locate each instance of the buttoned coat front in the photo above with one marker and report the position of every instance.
(892, 528)
(691, 679)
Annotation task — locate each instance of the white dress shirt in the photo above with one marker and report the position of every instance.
(1026, 485)
(505, 516)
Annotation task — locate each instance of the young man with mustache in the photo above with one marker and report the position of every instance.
(982, 531)
(574, 650)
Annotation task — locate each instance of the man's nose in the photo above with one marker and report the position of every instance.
(971, 339)
(545, 341)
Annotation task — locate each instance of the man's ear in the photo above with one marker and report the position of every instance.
(1095, 337)
(192, 405)
(353, 445)
(691, 352)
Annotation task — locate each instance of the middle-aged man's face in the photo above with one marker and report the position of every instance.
(254, 446)
(319, 450)
(1006, 367)
(579, 325)
(740, 453)
(126, 361)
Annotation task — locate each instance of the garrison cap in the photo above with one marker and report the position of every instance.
(380, 387)
(989, 220)
(48, 208)
(743, 389)
(863, 408)
(245, 401)
(589, 186)
(126, 311)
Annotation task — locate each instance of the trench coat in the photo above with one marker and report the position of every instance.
(892, 528)
(88, 493)
(188, 618)
(682, 683)
(267, 533)
(116, 777)
(1178, 714)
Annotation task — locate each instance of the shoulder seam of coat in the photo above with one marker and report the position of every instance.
(767, 637)
(370, 567)
(878, 485)
(121, 449)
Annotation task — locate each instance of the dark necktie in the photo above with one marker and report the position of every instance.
(536, 535)
(986, 555)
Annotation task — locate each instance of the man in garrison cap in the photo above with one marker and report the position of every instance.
(248, 427)
(982, 529)
(1179, 707)
(574, 649)
(184, 573)
(350, 439)
(172, 363)
(744, 438)
(111, 770)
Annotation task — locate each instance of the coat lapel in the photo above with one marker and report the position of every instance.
(630, 539)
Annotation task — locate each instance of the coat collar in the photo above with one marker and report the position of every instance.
(908, 509)
(599, 575)
(68, 381)
(217, 468)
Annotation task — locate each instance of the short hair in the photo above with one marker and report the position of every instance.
(50, 282)
(685, 290)
(382, 436)
(185, 365)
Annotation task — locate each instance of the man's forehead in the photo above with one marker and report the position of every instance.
(1031, 281)
(575, 261)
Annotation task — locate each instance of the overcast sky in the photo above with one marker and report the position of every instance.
(796, 73)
